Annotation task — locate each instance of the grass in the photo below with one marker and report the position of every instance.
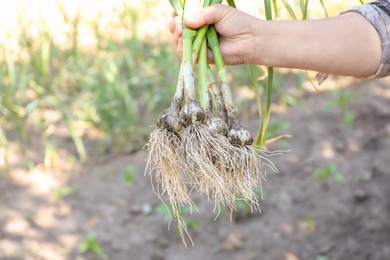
(322, 257)
(327, 173)
(342, 100)
(167, 212)
(91, 244)
(60, 193)
(128, 175)
(90, 93)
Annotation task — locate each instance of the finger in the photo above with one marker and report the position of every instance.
(209, 15)
(173, 23)
(177, 33)
(179, 47)
(171, 26)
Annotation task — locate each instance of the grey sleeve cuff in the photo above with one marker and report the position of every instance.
(378, 14)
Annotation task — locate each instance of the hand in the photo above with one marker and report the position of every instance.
(331, 45)
(236, 31)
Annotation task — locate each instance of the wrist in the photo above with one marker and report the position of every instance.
(256, 56)
(252, 51)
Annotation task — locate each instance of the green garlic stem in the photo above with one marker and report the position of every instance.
(231, 3)
(213, 2)
(206, 3)
(202, 75)
(268, 9)
(179, 93)
(196, 45)
(216, 94)
(177, 7)
(212, 40)
(201, 32)
(213, 43)
(265, 121)
(188, 69)
(264, 124)
(254, 76)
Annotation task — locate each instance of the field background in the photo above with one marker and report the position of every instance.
(82, 83)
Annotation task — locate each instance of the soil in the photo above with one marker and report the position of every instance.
(303, 217)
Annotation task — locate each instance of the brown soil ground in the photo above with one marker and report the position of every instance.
(302, 216)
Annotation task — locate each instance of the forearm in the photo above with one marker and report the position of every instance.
(344, 45)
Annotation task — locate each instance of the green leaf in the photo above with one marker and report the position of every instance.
(304, 6)
(91, 237)
(194, 224)
(348, 117)
(321, 257)
(275, 127)
(332, 168)
(91, 244)
(323, 7)
(128, 175)
(330, 104)
(325, 172)
(268, 9)
(165, 210)
(83, 247)
(338, 177)
(290, 10)
(97, 249)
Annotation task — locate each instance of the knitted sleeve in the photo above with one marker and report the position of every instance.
(378, 14)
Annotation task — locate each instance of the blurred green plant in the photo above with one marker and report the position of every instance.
(343, 100)
(309, 224)
(64, 191)
(273, 132)
(326, 173)
(128, 175)
(283, 97)
(167, 212)
(243, 209)
(323, 257)
(92, 94)
(92, 244)
(274, 128)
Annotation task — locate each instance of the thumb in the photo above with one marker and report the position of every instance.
(208, 15)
